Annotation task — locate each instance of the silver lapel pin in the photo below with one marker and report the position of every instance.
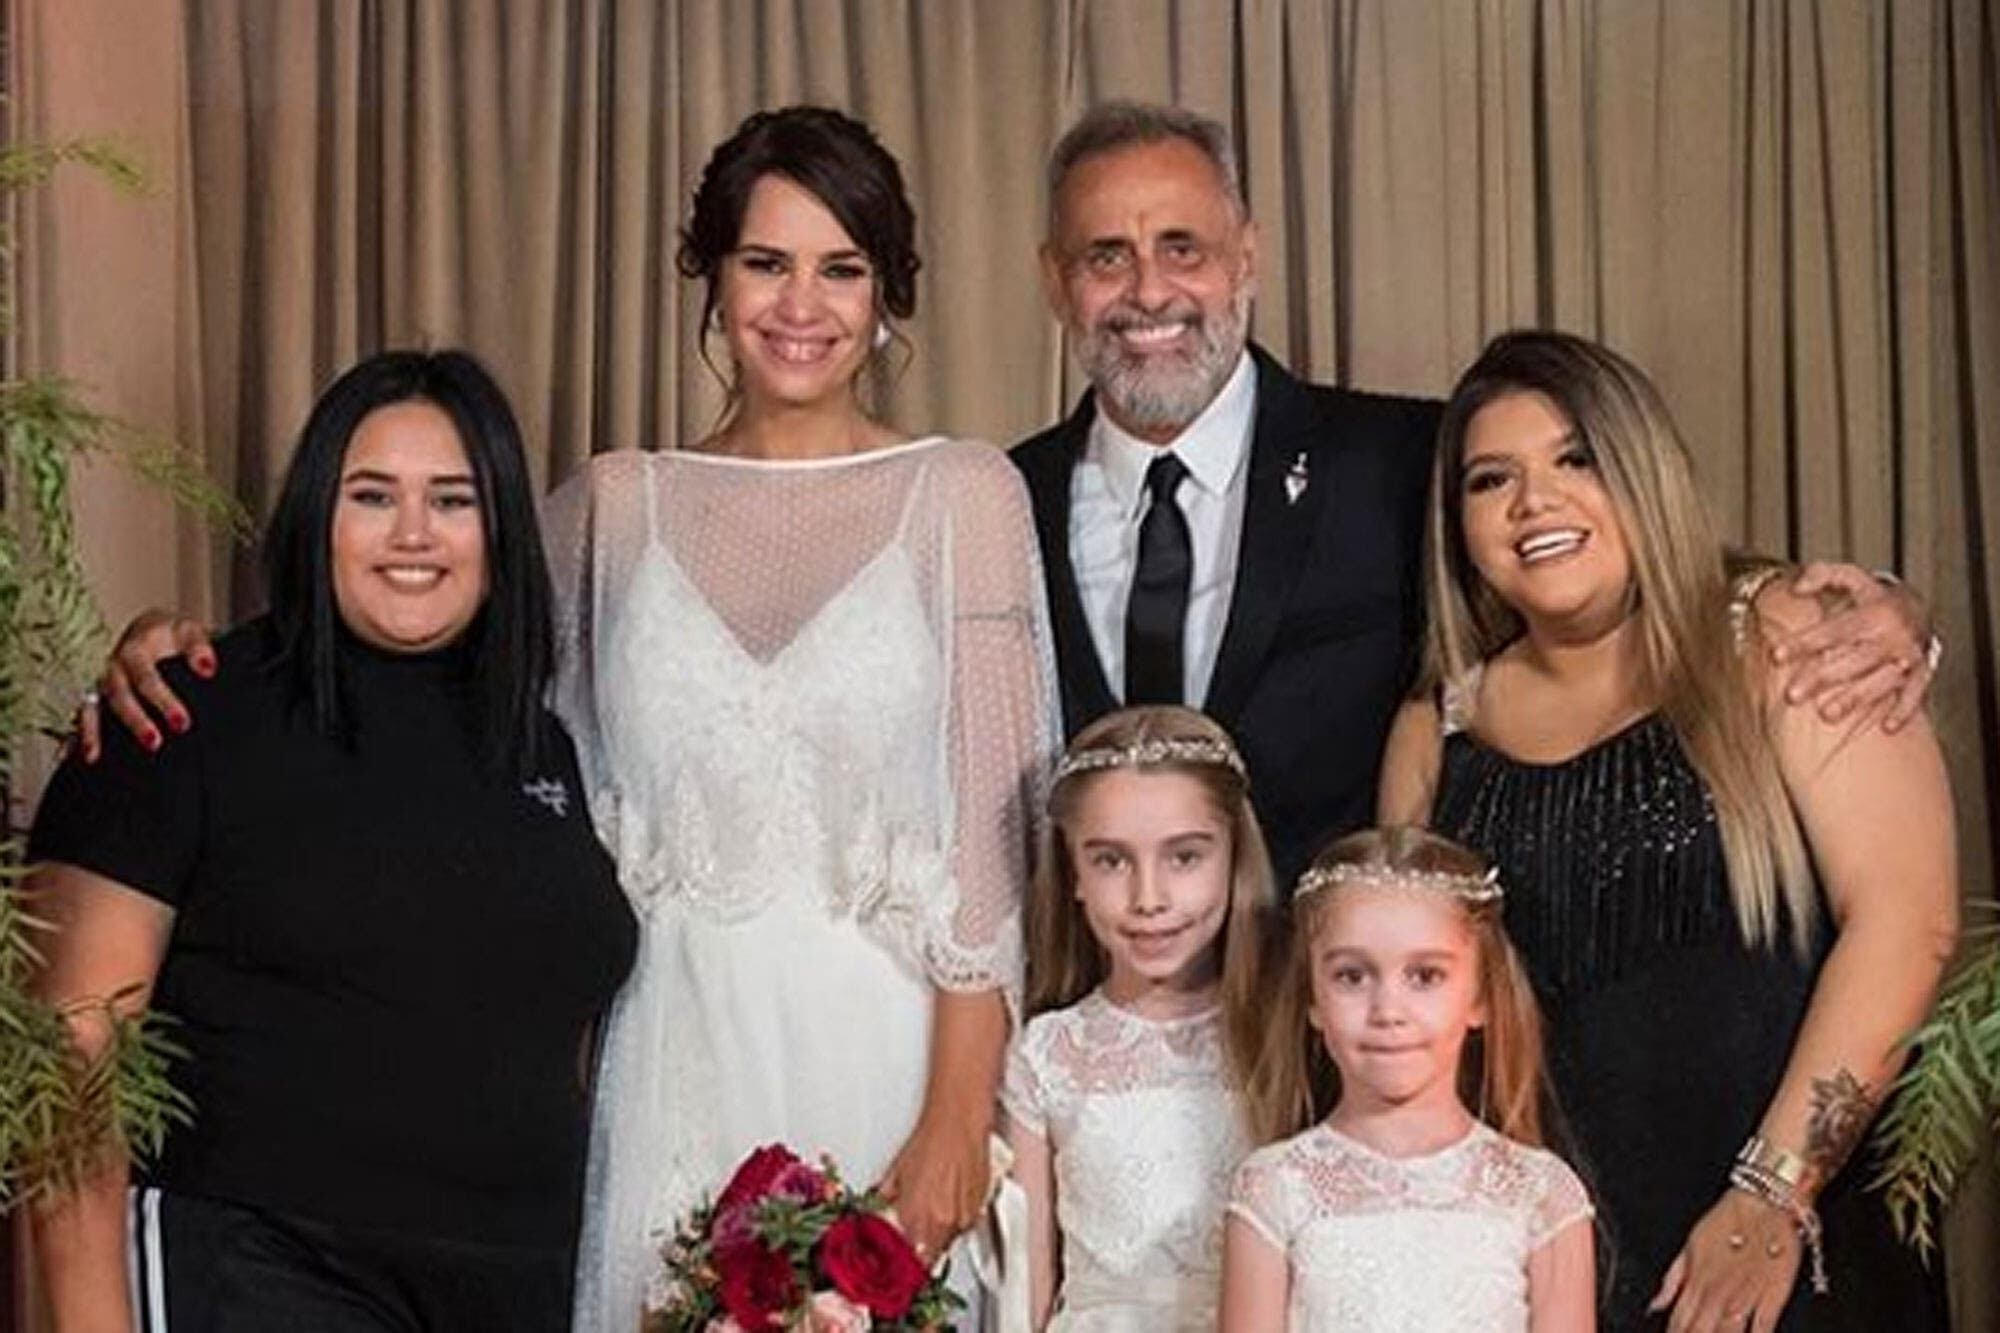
(1296, 480)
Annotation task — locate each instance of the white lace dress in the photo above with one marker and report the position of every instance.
(1425, 1244)
(1145, 1133)
(812, 701)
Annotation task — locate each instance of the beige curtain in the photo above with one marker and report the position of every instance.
(1789, 210)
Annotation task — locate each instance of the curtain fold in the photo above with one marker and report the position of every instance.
(1787, 210)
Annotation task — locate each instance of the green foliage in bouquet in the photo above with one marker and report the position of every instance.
(1945, 1110)
(61, 1113)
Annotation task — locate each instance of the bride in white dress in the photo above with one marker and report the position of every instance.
(807, 670)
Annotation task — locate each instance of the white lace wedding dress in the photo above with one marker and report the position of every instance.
(1145, 1134)
(813, 701)
(1431, 1244)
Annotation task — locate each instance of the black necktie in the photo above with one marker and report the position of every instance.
(1156, 617)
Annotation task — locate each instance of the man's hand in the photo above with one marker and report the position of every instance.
(1870, 650)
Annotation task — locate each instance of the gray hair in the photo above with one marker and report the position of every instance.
(1110, 126)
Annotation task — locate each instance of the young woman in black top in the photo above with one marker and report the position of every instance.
(367, 889)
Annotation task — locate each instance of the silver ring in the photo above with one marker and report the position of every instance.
(90, 699)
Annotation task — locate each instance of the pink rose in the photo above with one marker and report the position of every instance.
(771, 1172)
(831, 1312)
(800, 1183)
(753, 1179)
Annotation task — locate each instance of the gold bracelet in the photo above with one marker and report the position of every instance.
(1763, 1155)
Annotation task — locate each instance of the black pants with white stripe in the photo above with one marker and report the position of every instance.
(206, 1266)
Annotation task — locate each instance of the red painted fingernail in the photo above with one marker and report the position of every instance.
(177, 721)
(204, 663)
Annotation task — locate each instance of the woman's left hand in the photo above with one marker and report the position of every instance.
(939, 1181)
(1736, 1269)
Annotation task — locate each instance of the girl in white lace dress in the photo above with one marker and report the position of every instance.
(1147, 927)
(1401, 1211)
(808, 673)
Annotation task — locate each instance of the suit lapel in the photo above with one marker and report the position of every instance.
(1086, 691)
(1278, 529)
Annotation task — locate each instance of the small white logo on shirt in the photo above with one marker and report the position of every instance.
(550, 792)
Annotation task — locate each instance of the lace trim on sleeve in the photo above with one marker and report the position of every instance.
(1260, 1195)
(1021, 1094)
(999, 716)
(1564, 1203)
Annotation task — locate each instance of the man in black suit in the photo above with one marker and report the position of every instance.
(1301, 505)
(1217, 532)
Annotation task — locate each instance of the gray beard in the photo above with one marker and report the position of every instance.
(1156, 395)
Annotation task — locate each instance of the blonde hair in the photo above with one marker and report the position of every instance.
(1711, 694)
(1065, 962)
(1500, 1071)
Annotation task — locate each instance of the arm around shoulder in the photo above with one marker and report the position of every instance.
(1874, 806)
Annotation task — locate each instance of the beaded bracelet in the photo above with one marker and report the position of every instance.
(1762, 1183)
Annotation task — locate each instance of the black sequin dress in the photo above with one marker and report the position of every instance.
(1667, 1036)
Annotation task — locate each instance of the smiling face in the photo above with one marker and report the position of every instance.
(408, 546)
(1540, 526)
(1152, 858)
(1151, 265)
(1395, 987)
(796, 299)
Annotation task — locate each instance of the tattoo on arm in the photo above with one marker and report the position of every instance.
(1841, 1108)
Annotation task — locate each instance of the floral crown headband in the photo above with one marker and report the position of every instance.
(1475, 889)
(1146, 754)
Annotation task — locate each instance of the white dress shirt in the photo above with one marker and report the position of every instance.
(1108, 499)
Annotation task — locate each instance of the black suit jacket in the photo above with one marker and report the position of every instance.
(1326, 613)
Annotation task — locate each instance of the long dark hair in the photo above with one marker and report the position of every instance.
(510, 642)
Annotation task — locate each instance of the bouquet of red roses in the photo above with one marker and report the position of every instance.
(788, 1246)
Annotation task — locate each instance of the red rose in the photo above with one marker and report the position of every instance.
(872, 1263)
(753, 1179)
(758, 1285)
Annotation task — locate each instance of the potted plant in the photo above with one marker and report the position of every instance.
(1945, 1109)
(59, 1112)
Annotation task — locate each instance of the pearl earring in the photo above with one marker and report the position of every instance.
(881, 334)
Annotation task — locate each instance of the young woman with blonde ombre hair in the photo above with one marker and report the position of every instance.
(1403, 1076)
(1732, 909)
(1148, 927)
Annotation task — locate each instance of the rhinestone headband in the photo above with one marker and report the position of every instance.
(1146, 754)
(1481, 888)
